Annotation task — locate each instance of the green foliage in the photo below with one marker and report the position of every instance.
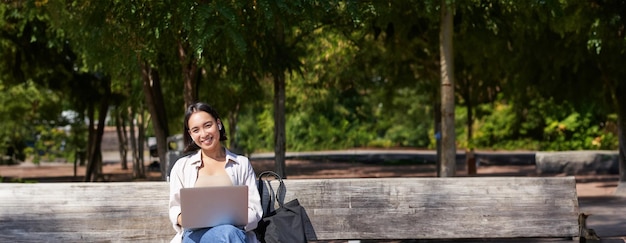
(405, 121)
(36, 115)
(50, 144)
(358, 90)
(16, 180)
(579, 132)
(539, 75)
(325, 131)
(29, 49)
(544, 125)
(255, 130)
(38, 80)
(497, 130)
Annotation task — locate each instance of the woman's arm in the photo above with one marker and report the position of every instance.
(254, 200)
(176, 183)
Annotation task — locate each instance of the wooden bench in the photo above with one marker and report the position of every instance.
(495, 208)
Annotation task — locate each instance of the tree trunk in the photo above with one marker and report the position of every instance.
(470, 113)
(122, 136)
(437, 115)
(189, 66)
(279, 124)
(83, 153)
(141, 138)
(154, 99)
(279, 105)
(620, 94)
(133, 142)
(94, 170)
(470, 159)
(448, 137)
(136, 141)
(91, 138)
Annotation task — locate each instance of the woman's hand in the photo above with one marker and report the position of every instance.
(179, 220)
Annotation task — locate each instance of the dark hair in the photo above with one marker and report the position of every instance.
(197, 107)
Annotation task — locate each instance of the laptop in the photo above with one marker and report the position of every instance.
(203, 207)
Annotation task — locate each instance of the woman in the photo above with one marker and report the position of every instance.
(211, 165)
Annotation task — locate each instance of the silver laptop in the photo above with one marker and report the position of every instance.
(203, 207)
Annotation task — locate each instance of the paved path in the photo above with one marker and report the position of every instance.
(407, 155)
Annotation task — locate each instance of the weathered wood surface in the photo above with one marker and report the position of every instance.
(439, 208)
(382, 208)
(85, 212)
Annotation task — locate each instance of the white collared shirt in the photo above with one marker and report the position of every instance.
(185, 173)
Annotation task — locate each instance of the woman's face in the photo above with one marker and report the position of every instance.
(204, 130)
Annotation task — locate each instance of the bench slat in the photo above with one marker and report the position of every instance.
(374, 208)
(439, 208)
(85, 212)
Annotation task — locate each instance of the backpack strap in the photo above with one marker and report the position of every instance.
(266, 191)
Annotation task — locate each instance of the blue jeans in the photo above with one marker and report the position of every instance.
(221, 233)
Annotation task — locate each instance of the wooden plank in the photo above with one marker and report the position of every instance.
(439, 208)
(378, 208)
(85, 212)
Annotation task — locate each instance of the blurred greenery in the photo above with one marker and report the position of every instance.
(539, 75)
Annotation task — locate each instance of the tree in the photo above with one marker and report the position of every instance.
(115, 38)
(585, 42)
(216, 40)
(36, 54)
(448, 138)
(279, 33)
(479, 67)
(607, 43)
(94, 153)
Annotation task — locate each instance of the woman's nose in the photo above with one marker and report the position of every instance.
(205, 131)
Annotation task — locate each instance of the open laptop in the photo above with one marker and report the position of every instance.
(203, 207)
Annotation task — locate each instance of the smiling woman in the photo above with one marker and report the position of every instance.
(209, 164)
(200, 117)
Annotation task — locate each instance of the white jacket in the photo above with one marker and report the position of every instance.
(238, 167)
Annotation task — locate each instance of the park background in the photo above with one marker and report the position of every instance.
(310, 76)
(104, 84)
